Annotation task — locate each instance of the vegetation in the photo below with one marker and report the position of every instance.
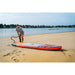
(35, 26)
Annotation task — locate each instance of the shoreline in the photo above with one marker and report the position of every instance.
(9, 53)
(39, 34)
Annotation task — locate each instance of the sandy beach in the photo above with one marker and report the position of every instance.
(9, 53)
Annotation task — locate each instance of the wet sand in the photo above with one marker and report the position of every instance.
(9, 53)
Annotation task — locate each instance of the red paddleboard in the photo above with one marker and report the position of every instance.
(36, 46)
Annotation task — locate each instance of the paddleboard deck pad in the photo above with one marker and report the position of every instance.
(36, 46)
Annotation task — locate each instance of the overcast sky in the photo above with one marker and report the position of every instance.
(38, 18)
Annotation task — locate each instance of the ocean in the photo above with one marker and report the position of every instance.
(9, 32)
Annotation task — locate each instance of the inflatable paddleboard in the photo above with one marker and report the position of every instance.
(36, 46)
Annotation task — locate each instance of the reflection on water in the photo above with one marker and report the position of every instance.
(31, 31)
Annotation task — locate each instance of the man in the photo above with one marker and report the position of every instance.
(20, 33)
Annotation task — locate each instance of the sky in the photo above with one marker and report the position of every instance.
(38, 18)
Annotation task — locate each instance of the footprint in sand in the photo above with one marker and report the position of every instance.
(66, 54)
(23, 54)
(13, 52)
(69, 55)
(73, 51)
(14, 59)
(8, 45)
(19, 51)
(7, 54)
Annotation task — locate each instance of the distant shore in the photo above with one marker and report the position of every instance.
(10, 53)
(35, 26)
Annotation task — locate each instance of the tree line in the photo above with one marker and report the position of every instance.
(35, 26)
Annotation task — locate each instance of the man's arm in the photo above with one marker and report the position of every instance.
(18, 33)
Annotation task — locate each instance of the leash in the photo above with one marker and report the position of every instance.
(13, 37)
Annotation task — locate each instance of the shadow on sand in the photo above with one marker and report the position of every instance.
(62, 50)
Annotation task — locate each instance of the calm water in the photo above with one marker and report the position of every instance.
(32, 31)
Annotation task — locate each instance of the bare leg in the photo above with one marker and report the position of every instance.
(20, 38)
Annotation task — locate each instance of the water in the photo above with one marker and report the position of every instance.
(32, 31)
